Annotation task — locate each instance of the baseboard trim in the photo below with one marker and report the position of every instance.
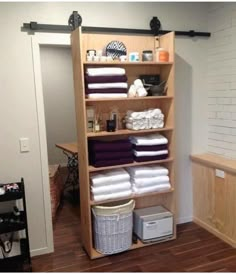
(41, 251)
(183, 220)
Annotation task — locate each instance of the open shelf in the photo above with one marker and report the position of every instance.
(127, 63)
(95, 254)
(133, 196)
(8, 226)
(93, 169)
(126, 132)
(130, 99)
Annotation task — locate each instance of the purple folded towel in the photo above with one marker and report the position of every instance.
(113, 162)
(106, 90)
(150, 148)
(150, 158)
(105, 79)
(100, 156)
(117, 145)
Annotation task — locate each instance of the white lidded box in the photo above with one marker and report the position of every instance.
(153, 223)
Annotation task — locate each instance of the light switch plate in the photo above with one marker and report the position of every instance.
(24, 144)
(220, 173)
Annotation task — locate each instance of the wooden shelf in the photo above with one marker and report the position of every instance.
(93, 169)
(127, 132)
(133, 196)
(130, 99)
(142, 63)
(139, 244)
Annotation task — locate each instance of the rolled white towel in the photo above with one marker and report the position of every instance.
(106, 71)
(138, 83)
(147, 171)
(141, 92)
(132, 91)
(109, 189)
(104, 197)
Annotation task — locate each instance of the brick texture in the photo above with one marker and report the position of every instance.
(222, 80)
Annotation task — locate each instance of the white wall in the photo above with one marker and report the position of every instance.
(18, 113)
(222, 80)
(59, 103)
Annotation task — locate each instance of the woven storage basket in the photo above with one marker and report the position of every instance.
(112, 227)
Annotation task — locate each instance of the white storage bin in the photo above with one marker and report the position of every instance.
(112, 227)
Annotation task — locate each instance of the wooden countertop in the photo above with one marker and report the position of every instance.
(215, 161)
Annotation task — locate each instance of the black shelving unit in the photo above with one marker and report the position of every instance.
(11, 224)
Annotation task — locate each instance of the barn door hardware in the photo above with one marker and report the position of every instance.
(75, 20)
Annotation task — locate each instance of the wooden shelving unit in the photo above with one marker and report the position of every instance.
(80, 43)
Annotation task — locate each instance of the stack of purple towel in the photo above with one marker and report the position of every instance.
(110, 153)
(151, 147)
(106, 82)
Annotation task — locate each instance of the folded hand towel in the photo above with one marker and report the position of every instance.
(150, 158)
(104, 197)
(141, 92)
(103, 163)
(150, 148)
(147, 171)
(106, 71)
(106, 90)
(149, 153)
(109, 176)
(149, 140)
(112, 155)
(111, 189)
(151, 188)
(132, 91)
(105, 79)
(103, 146)
(107, 95)
(107, 85)
(150, 181)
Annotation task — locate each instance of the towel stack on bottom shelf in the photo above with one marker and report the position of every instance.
(109, 82)
(110, 184)
(110, 153)
(146, 179)
(151, 147)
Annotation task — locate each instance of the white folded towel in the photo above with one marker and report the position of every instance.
(149, 140)
(151, 188)
(147, 171)
(119, 175)
(104, 197)
(149, 153)
(150, 181)
(107, 95)
(106, 71)
(141, 92)
(107, 85)
(138, 83)
(109, 189)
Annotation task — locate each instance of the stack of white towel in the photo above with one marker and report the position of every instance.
(146, 179)
(150, 147)
(137, 89)
(110, 184)
(106, 82)
(147, 119)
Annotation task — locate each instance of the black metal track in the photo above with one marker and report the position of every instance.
(35, 27)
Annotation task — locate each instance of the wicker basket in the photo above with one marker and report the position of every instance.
(112, 227)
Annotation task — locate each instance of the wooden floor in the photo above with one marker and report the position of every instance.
(195, 250)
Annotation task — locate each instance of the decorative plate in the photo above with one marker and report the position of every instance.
(115, 49)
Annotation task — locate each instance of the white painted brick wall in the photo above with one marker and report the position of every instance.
(222, 79)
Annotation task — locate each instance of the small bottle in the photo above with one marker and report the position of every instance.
(97, 126)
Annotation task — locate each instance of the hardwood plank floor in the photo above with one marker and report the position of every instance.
(194, 250)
